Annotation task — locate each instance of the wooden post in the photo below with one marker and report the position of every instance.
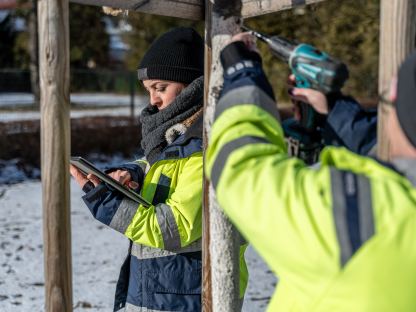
(55, 151)
(221, 242)
(397, 39)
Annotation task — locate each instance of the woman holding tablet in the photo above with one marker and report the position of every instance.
(163, 269)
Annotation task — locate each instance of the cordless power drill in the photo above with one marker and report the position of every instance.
(313, 69)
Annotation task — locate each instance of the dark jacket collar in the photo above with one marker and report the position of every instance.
(185, 145)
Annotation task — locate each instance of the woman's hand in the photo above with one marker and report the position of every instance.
(81, 178)
(248, 39)
(121, 176)
(312, 97)
(124, 178)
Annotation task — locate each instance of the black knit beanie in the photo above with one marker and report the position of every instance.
(406, 98)
(177, 55)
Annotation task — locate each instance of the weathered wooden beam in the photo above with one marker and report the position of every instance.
(259, 7)
(221, 240)
(188, 9)
(55, 151)
(397, 40)
(194, 9)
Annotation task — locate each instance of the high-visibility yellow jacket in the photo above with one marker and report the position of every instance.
(163, 269)
(340, 237)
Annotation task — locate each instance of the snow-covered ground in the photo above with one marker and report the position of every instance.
(97, 253)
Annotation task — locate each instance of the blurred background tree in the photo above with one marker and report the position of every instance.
(7, 42)
(89, 42)
(346, 29)
(88, 37)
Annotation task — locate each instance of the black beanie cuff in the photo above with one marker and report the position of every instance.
(405, 102)
(235, 52)
(177, 74)
(406, 123)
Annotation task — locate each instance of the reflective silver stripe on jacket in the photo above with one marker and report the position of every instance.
(124, 214)
(225, 152)
(352, 210)
(168, 227)
(143, 164)
(145, 252)
(132, 308)
(247, 95)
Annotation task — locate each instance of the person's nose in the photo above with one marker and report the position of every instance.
(155, 99)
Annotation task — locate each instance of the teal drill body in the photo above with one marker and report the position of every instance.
(313, 69)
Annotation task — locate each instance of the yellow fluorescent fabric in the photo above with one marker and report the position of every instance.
(185, 200)
(285, 210)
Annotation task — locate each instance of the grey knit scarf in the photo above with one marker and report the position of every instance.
(155, 122)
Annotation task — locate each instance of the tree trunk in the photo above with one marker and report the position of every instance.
(397, 39)
(221, 240)
(55, 151)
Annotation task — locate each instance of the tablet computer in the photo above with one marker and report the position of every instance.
(86, 167)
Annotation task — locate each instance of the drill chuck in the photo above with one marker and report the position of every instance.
(279, 46)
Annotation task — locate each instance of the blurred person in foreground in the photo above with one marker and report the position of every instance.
(339, 237)
(163, 269)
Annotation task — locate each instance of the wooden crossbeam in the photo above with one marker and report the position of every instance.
(259, 7)
(187, 9)
(194, 9)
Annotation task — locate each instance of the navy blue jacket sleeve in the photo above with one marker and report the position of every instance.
(243, 68)
(103, 202)
(350, 125)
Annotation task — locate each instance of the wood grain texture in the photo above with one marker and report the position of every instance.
(187, 9)
(259, 7)
(397, 40)
(194, 9)
(55, 151)
(221, 238)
